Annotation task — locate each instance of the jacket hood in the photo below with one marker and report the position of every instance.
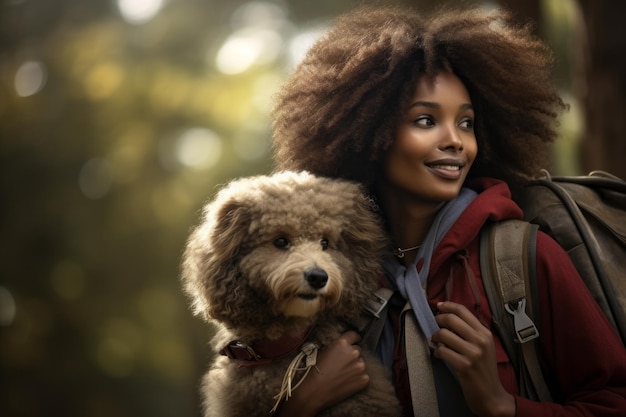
(493, 203)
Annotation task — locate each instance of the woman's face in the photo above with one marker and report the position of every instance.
(435, 144)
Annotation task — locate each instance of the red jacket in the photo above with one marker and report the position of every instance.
(582, 357)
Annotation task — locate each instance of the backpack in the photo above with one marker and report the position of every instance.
(586, 215)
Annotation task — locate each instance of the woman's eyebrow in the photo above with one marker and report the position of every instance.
(466, 106)
(425, 104)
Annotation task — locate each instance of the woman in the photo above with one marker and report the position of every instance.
(441, 118)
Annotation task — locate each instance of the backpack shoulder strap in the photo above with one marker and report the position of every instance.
(420, 366)
(507, 263)
(373, 318)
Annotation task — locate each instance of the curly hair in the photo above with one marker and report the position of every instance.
(338, 112)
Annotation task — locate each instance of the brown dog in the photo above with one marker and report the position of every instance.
(283, 265)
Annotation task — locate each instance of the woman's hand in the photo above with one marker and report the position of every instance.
(341, 374)
(468, 347)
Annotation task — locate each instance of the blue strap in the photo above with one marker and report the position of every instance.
(408, 281)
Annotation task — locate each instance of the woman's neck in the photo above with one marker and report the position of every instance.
(408, 220)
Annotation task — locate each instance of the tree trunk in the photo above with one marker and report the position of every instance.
(604, 142)
(598, 81)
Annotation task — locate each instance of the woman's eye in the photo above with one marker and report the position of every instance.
(424, 121)
(324, 244)
(281, 242)
(467, 124)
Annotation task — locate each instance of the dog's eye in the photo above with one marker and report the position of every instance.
(324, 243)
(281, 242)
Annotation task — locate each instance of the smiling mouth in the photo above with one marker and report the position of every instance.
(446, 167)
(447, 170)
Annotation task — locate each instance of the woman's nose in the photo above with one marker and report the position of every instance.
(451, 139)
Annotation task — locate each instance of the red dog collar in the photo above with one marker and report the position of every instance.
(263, 351)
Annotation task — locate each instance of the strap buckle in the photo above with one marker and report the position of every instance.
(377, 303)
(240, 350)
(525, 329)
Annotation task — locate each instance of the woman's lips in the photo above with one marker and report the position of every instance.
(447, 169)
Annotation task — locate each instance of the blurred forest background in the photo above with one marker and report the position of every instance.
(119, 118)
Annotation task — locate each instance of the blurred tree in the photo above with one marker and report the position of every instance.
(604, 93)
(592, 60)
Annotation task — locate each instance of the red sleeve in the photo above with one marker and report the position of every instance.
(580, 352)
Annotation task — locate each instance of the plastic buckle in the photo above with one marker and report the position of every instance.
(376, 305)
(525, 329)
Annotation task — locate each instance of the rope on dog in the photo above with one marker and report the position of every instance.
(308, 353)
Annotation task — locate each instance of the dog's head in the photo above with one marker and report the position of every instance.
(290, 245)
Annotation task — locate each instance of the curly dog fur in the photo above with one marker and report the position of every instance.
(273, 256)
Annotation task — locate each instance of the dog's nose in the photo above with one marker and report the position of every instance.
(317, 278)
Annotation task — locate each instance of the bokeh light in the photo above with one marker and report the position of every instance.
(256, 39)
(199, 148)
(103, 80)
(139, 11)
(300, 43)
(259, 14)
(248, 47)
(30, 78)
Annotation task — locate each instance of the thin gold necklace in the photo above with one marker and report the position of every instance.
(399, 252)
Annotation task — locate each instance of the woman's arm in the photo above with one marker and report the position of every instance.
(582, 357)
(340, 373)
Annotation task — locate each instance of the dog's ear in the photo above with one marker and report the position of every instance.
(231, 221)
(210, 258)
